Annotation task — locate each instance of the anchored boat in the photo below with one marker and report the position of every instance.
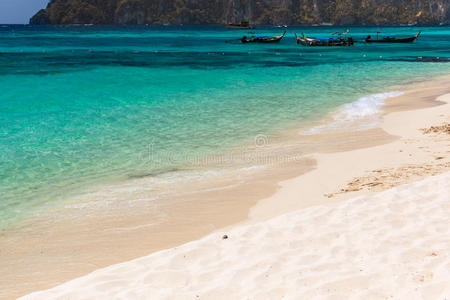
(263, 39)
(240, 25)
(392, 39)
(340, 40)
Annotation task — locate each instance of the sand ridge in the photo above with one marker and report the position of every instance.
(382, 179)
(445, 129)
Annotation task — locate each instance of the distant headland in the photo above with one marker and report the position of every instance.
(336, 12)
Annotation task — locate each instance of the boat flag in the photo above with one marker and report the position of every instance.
(337, 32)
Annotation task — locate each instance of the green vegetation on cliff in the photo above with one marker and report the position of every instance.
(256, 11)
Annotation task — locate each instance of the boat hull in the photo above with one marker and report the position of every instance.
(405, 40)
(393, 40)
(242, 25)
(239, 27)
(324, 43)
(264, 40)
(261, 41)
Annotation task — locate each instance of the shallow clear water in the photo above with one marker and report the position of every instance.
(84, 105)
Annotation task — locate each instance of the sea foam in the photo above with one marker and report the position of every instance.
(359, 115)
(364, 106)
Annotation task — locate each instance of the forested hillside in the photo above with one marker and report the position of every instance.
(255, 11)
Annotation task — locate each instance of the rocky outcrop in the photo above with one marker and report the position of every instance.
(340, 12)
(40, 18)
(74, 12)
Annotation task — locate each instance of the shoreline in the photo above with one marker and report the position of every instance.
(326, 182)
(263, 207)
(391, 242)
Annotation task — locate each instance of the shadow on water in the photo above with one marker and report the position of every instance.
(67, 61)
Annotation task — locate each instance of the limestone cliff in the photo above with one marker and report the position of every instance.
(256, 11)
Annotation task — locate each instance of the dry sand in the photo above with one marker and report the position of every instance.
(404, 153)
(394, 245)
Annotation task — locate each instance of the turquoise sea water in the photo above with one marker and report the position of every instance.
(84, 105)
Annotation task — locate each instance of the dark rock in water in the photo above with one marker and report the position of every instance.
(41, 18)
(425, 12)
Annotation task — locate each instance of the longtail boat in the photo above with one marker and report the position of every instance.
(324, 41)
(240, 25)
(392, 39)
(263, 39)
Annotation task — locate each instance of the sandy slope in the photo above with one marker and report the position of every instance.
(395, 244)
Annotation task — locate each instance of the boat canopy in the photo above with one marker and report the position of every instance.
(325, 38)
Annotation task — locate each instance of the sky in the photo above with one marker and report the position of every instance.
(19, 11)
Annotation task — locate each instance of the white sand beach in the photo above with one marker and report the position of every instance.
(391, 240)
(394, 245)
